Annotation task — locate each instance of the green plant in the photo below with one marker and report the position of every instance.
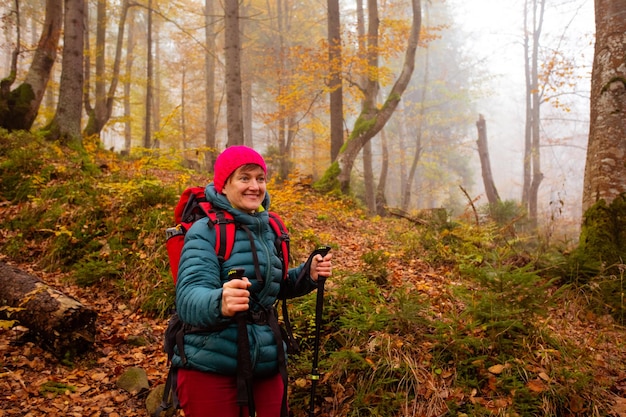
(376, 266)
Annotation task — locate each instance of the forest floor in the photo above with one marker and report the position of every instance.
(25, 369)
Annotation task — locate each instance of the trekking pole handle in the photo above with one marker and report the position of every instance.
(320, 250)
(236, 273)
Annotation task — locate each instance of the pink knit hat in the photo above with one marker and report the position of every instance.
(231, 159)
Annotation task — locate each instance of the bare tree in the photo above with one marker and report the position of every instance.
(532, 141)
(485, 162)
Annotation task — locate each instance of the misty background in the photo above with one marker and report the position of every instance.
(495, 39)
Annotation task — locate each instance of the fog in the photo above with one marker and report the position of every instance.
(495, 38)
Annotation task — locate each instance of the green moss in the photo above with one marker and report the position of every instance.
(55, 388)
(329, 183)
(603, 234)
(362, 124)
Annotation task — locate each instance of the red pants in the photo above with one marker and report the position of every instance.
(203, 394)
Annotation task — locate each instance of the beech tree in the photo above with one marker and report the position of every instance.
(604, 188)
(605, 172)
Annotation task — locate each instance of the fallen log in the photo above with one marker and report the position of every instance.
(59, 323)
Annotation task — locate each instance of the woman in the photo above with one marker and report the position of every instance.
(209, 297)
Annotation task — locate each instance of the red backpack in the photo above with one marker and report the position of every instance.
(193, 206)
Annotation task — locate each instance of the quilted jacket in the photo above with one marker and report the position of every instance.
(199, 291)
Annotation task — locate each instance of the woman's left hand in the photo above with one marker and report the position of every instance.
(321, 266)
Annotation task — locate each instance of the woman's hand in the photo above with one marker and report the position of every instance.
(235, 296)
(321, 266)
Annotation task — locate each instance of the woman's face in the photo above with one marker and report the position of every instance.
(245, 188)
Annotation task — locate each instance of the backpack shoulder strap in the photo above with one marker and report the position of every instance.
(282, 240)
(225, 228)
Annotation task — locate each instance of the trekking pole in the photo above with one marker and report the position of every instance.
(244, 363)
(319, 307)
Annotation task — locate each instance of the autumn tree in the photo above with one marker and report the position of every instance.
(19, 107)
(373, 118)
(604, 189)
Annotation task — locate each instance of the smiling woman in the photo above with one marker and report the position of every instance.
(236, 351)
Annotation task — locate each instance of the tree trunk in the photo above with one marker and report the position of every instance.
(406, 197)
(232, 57)
(62, 324)
(381, 199)
(603, 233)
(372, 120)
(368, 178)
(605, 172)
(156, 84)
(130, 48)
(101, 113)
(7, 82)
(372, 87)
(19, 108)
(485, 162)
(335, 80)
(209, 74)
(66, 124)
(147, 136)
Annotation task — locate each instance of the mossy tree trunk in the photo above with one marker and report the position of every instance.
(19, 107)
(372, 118)
(603, 234)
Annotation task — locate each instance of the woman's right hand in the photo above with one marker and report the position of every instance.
(235, 296)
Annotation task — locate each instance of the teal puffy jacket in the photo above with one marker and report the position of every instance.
(199, 291)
